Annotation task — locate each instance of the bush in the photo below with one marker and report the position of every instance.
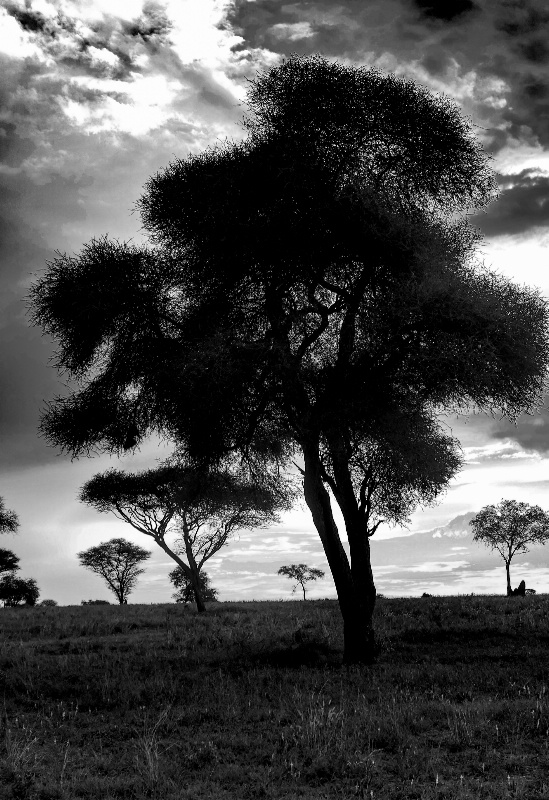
(95, 603)
(49, 603)
(15, 591)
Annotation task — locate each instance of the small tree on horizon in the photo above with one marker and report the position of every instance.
(117, 561)
(509, 528)
(14, 591)
(185, 588)
(9, 521)
(302, 574)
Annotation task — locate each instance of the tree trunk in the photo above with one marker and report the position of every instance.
(191, 570)
(303, 587)
(509, 590)
(352, 586)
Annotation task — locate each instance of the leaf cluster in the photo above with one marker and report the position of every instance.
(185, 589)
(8, 519)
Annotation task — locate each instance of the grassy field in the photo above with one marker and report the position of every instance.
(249, 701)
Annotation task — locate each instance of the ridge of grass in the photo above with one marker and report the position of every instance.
(250, 701)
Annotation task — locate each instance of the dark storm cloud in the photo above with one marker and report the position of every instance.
(25, 376)
(446, 10)
(152, 26)
(29, 20)
(531, 432)
(13, 148)
(522, 205)
(491, 55)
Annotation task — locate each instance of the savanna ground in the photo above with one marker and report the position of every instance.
(249, 701)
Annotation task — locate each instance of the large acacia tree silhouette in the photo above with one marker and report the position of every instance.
(310, 291)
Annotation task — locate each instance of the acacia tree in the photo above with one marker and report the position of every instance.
(308, 292)
(509, 528)
(202, 509)
(185, 589)
(302, 574)
(8, 519)
(117, 561)
(14, 590)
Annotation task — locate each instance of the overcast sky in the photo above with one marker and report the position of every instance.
(96, 96)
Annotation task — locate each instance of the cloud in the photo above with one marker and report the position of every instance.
(531, 432)
(521, 208)
(490, 57)
(446, 11)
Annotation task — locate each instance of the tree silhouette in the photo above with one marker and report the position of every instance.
(9, 562)
(509, 528)
(8, 519)
(14, 591)
(310, 294)
(185, 589)
(117, 561)
(302, 574)
(203, 510)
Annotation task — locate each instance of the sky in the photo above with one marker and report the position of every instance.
(97, 96)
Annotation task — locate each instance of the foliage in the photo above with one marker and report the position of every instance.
(8, 519)
(203, 509)
(309, 292)
(94, 603)
(14, 590)
(117, 561)
(302, 574)
(49, 603)
(510, 528)
(185, 588)
(9, 562)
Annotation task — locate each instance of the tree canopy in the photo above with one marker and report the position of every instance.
(510, 528)
(14, 591)
(9, 562)
(202, 509)
(117, 561)
(185, 589)
(8, 519)
(311, 292)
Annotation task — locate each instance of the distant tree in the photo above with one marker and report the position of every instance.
(302, 574)
(509, 528)
(15, 591)
(94, 603)
(185, 589)
(9, 562)
(310, 292)
(8, 519)
(49, 603)
(203, 510)
(117, 561)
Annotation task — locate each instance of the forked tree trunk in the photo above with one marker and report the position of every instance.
(190, 570)
(354, 586)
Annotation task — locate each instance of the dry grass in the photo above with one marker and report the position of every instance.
(250, 701)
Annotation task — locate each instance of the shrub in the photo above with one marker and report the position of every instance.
(95, 603)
